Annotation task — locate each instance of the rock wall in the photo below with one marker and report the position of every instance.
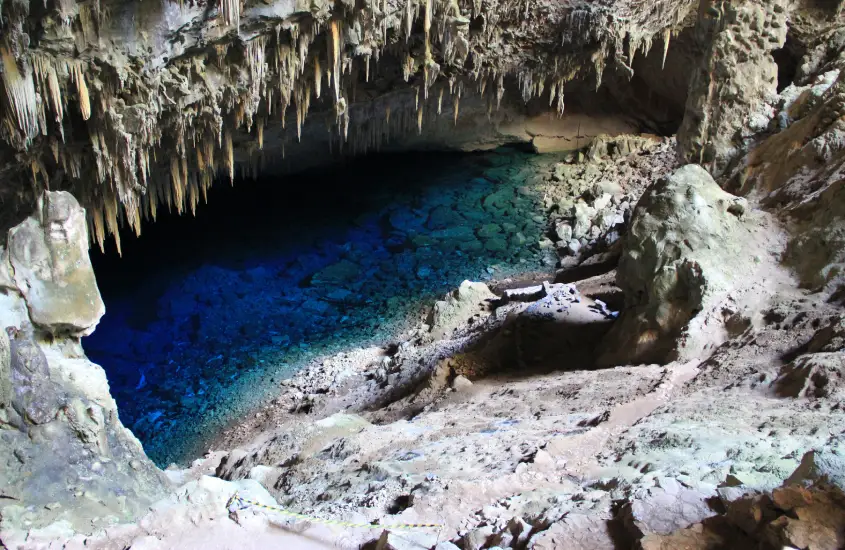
(796, 169)
(64, 455)
(730, 92)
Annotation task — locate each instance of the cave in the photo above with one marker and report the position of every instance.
(267, 276)
(422, 274)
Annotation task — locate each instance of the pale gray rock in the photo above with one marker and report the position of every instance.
(49, 257)
(664, 510)
(685, 245)
(575, 531)
(564, 232)
(5, 372)
(732, 90)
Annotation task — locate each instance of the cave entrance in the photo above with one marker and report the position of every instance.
(206, 315)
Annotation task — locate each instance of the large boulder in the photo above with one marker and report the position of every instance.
(48, 253)
(685, 246)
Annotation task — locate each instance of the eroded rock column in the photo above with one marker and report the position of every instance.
(731, 91)
(66, 461)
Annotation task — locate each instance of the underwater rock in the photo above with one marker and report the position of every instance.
(340, 273)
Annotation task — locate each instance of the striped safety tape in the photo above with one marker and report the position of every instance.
(243, 503)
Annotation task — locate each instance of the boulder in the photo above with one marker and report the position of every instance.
(470, 298)
(48, 253)
(825, 466)
(685, 247)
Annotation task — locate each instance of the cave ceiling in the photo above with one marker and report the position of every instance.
(138, 105)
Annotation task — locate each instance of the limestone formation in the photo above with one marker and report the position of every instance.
(679, 385)
(731, 91)
(64, 455)
(687, 244)
(136, 107)
(5, 375)
(49, 257)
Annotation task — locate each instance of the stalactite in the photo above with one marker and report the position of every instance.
(82, 89)
(110, 205)
(176, 183)
(335, 38)
(260, 127)
(457, 100)
(318, 76)
(440, 101)
(500, 90)
(48, 80)
(98, 224)
(229, 155)
(153, 196)
(419, 119)
(667, 37)
(409, 18)
(20, 94)
(231, 12)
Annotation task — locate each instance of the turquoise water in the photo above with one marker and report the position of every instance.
(206, 315)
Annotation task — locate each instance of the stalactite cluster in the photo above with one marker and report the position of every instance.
(130, 133)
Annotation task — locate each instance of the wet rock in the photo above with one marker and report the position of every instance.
(489, 230)
(49, 255)
(496, 245)
(342, 272)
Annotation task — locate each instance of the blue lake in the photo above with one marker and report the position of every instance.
(207, 314)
